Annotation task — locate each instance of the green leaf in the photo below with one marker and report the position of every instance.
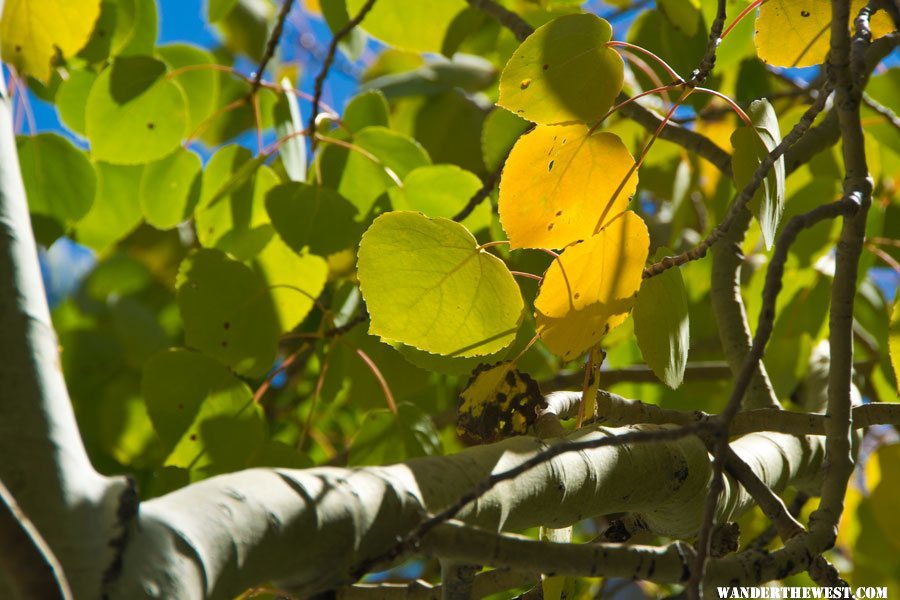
(288, 126)
(442, 191)
(662, 324)
(365, 110)
(71, 99)
(448, 126)
(563, 72)
(294, 281)
(423, 26)
(313, 216)
(335, 13)
(385, 438)
(134, 113)
(436, 190)
(751, 146)
(361, 178)
(427, 285)
(125, 27)
(231, 214)
(217, 9)
(115, 211)
(684, 14)
(205, 416)
(227, 312)
(246, 27)
(59, 181)
(498, 136)
(200, 86)
(170, 189)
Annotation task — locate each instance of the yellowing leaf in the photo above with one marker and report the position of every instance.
(591, 287)
(563, 72)
(498, 402)
(427, 284)
(421, 26)
(561, 185)
(894, 342)
(32, 31)
(796, 33)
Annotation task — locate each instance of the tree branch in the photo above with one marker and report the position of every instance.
(42, 459)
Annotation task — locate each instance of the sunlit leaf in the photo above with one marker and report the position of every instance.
(71, 99)
(498, 402)
(591, 287)
(685, 15)
(204, 415)
(796, 33)
(381, 158)
(227, 312)
(134, 113)
(662, 324)
(231, 214)
(59, 181)
(33, 32)
(365, 110)
(200, 86)
(561, 185)
(427, 285)
(423, 26)
(170, 189)
(563, 72)
(500, 132)
(436, 190)
(294, 280)
(115, 211)
(751, 146)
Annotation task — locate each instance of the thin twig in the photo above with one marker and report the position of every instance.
(326, 65)
(487, 186)
(745, 195)
(411, 540)
(271, 46)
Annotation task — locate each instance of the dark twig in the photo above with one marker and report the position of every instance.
(741, 200)
(505, 17)
(326, 66)
(715, 36)
(271, 46)
(487, 185)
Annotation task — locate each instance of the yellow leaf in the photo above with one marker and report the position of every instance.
(591, 287)
(797, 33)
(33, 30)
(561, 185)
(498, 402)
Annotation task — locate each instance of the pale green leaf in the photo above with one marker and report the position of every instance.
(562, 72)
(116, 211)
(170, 189)
(427, 285)
(134, 113)
(662, 324)
(294, 280)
